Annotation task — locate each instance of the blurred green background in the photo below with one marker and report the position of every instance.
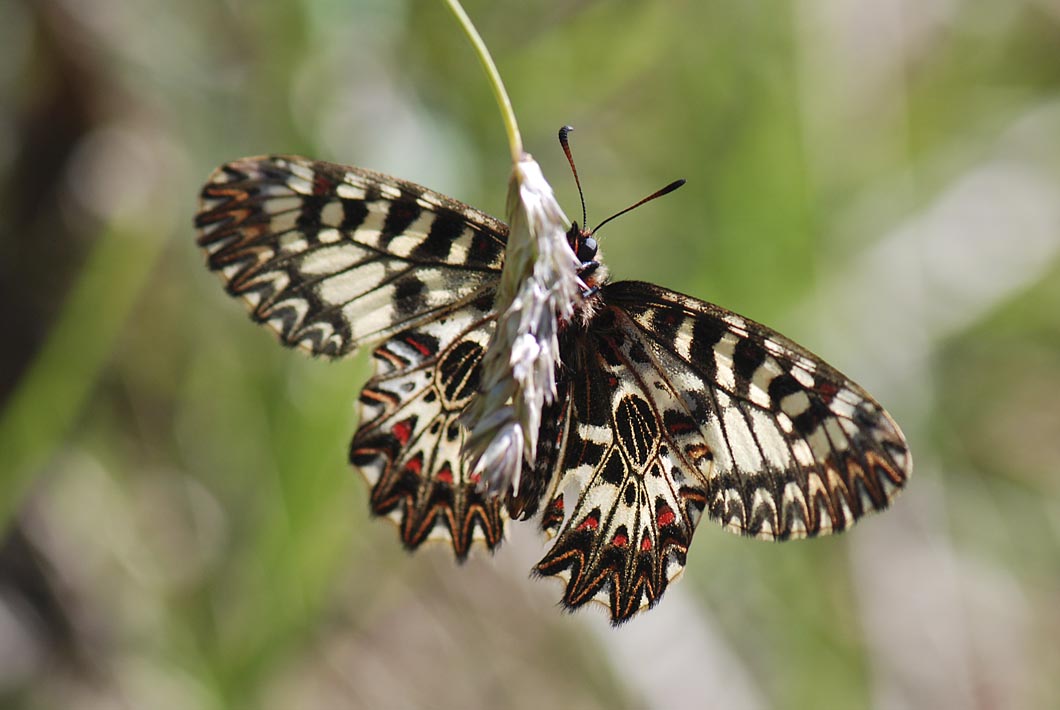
(878, 180)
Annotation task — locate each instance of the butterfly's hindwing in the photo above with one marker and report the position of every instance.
(410, 439)
(333, 257)
(635, 500)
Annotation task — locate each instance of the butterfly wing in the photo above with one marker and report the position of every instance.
(410, 440)
(679, 407)
(333, 257)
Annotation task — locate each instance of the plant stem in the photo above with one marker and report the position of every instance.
(515, 140)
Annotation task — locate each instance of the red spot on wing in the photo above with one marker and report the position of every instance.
(664, 516)
(415, 465)
(553, 515)
(419, 346)
(827, 390)
(322, 185)
(402, 431)
(445, 475)
(645, 544)
(620, 540)
(590, 523)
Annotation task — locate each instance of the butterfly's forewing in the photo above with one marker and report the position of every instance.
(333, 257)
(796, 448)
(410, 440)
(678, 407)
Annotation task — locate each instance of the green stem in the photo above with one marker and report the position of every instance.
(515, 141)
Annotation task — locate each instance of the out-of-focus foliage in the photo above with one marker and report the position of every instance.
(879, 180)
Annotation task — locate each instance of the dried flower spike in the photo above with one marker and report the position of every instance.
(539, 288)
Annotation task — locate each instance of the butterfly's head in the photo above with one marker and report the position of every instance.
(582, 243)
(585, 247)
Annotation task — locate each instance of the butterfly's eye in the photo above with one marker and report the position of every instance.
(587, 249)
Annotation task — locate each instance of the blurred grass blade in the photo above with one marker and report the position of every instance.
(54, 387)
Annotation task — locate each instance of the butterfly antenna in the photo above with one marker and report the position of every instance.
(659, 193)
(570, 159)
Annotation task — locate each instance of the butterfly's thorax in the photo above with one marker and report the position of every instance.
(586, 310)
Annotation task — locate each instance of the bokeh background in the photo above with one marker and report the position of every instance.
(878, 180)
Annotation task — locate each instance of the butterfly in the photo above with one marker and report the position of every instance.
(669, 407)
